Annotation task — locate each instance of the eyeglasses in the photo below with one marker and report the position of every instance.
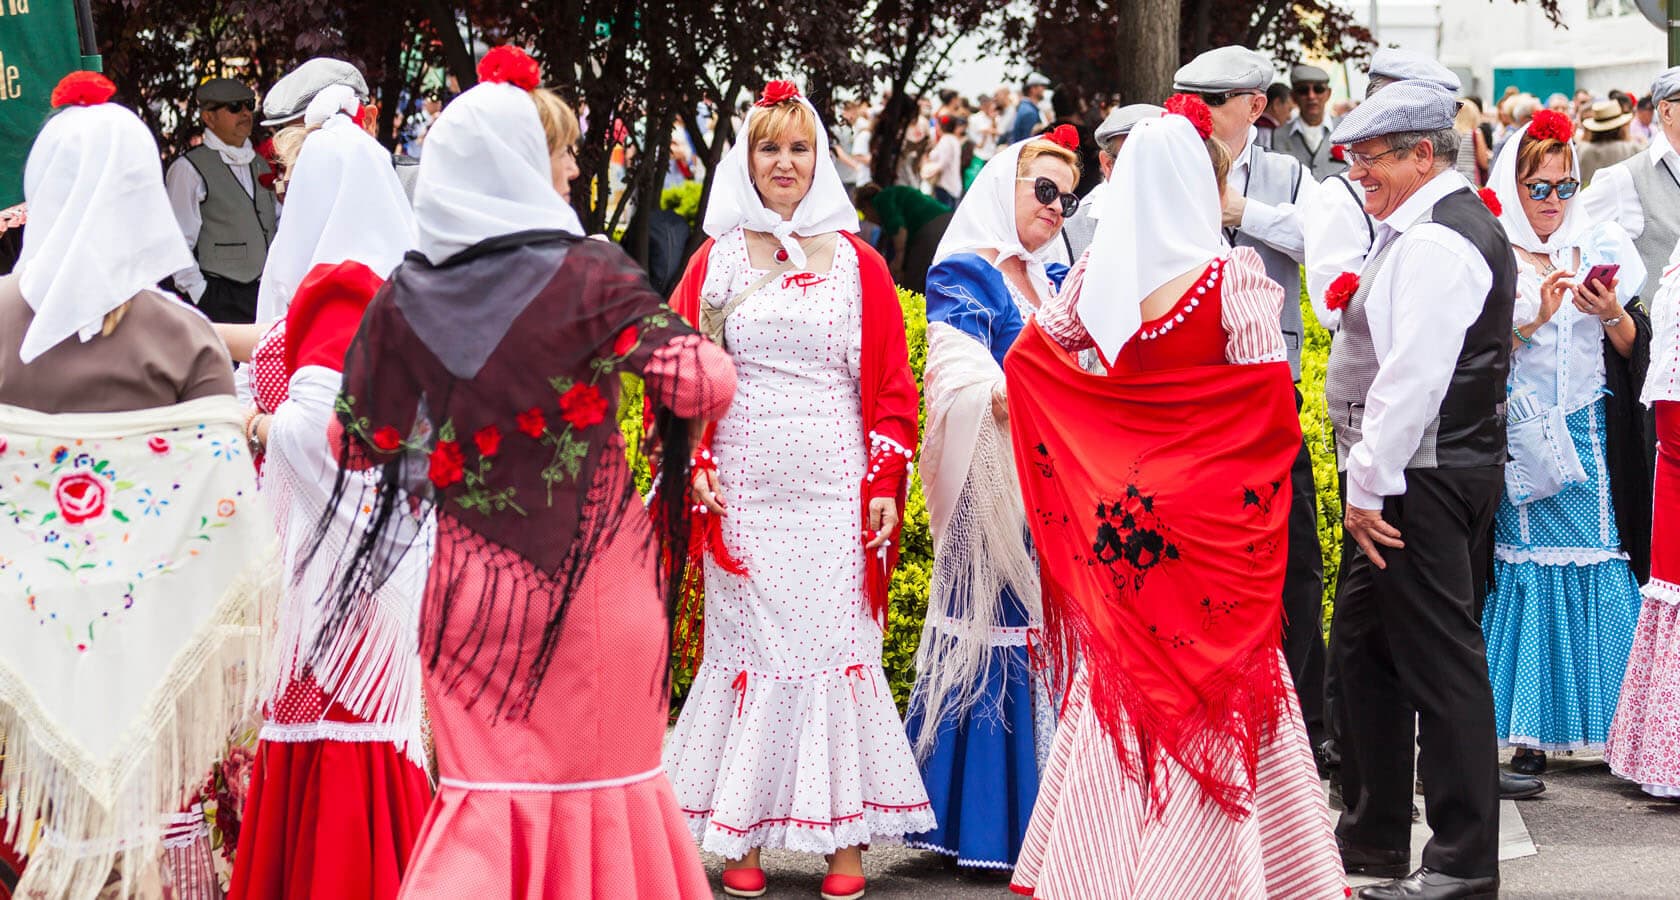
(1312, 89)
(1365, 160)
(1540, 190)
(1046, 192)
(1222, 99)
(237, 106)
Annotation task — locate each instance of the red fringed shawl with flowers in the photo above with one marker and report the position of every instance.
(890, 403)
(1159, 506)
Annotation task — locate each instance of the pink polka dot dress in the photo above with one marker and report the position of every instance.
(790, 736)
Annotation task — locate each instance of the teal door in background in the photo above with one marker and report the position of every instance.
(1541, 83)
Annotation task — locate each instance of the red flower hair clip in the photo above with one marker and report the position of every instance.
(777, 92)
(1341, 291)
(83, 89)
(1551, 125)
(1338, 153)
(1193, 108)
(1063, 136)
(508, 64)
(1492, 200)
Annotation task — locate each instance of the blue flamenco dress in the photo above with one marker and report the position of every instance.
(982, 771)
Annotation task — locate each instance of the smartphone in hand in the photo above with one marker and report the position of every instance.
(1603, 274)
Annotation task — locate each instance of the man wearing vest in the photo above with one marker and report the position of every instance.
(1307, 136)
(1263, 194)
(225, 211)
(1416, 391)
(1642, 194)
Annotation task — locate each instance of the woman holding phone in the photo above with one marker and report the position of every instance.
(1572, 531)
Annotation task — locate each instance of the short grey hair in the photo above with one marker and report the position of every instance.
(1444, 142)
(1112, 145)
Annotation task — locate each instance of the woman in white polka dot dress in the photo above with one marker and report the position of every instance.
(790, 737)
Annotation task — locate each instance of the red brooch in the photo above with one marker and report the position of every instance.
(83, 89)
(508, 64)
(1064, 136)
(1341, 291)
(1193, 108)
(1338, 153)
(1492, 200)
(1551, 125)
(777, 92)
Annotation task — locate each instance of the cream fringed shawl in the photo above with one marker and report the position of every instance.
(979, 530)
(132, 568)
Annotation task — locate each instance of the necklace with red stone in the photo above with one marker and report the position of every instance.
(780, 254)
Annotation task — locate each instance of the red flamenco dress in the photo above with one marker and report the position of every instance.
(339, 787)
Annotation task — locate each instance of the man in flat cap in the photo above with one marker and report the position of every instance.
(1307, 136)
(1416, 392)
(1264, 192)
(1642, 194)
(1078, 230)
(225, 211)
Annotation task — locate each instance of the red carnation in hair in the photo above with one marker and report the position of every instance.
(83, 89)
(1063, 136)
(1193, 108)
(1341, 291)
(1551, 125)
(1338, 153)
(508, 64)
(1492, 201)
(777, 92)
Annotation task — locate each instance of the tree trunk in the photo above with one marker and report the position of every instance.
(1147, 50)
(456, 54)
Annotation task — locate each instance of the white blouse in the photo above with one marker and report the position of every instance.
(1662, 381)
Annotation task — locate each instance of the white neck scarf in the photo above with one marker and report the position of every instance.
(985, 221)
(344, 202)
(1503, 180)
(1160, 220)
(233, 156)
(486, 173)
(100, 227)
(735, 203)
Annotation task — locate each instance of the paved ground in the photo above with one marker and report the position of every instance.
(1596, 838)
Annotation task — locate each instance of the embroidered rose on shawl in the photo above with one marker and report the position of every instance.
(2, 445)
(447, 464)
(583, 406)
(532, 423)
(627, 341)
(1341, 291)
(1338, 153)
(158, 444)
(1492, 200)
(489, 440)
(387, 439)
(225, 508)
(80, 497)
(777, 92)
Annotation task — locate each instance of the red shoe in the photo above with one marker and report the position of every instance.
(843, 887)
(744, 882)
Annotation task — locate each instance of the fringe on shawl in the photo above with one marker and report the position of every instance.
(211, 688)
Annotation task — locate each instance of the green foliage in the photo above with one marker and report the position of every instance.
(1321, 443)
(684, 200)
(909, 590)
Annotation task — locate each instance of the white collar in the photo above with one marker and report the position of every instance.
(1660, 146)
(1424, 199)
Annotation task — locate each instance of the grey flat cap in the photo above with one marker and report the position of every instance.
(1401, 108)
(1037, 80)
(1225, 69)
(1305, 74)
(224, 90)
(1122, 119)
(1400, 65)
(1666, 86)
(290, 96)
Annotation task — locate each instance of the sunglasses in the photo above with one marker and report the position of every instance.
(1046, 192)
(1312, 88)
(237, 106)
(1222, 99)
(1540, 190)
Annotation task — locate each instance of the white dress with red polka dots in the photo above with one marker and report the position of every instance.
(790, 736)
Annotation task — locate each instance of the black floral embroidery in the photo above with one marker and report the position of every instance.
(1260, 499)
(1174, 641)
(1130, 539)
(1215, 612)
(1045, 465)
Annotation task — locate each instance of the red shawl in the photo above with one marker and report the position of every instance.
(1159, 506)
(890, 403)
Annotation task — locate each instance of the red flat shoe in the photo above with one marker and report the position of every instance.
(744, 882)
(843, 887)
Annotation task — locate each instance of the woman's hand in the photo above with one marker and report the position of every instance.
(1552, 292)
(707, 490)
(883, 521)
(1598, 298)
(1000, 404)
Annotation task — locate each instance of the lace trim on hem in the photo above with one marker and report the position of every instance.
(1665, 591)
(1556, 556)
(876, 824)
(965, 863)
(343, 732)
(997, 636)
(1529, 743)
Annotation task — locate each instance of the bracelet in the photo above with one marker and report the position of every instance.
(1517, 333)
(253, 442)
(1612, 323)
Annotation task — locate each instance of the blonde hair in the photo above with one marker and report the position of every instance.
(1220, 156)
(774, 121)
(1037, 149)
(559, 123)
(288, 144)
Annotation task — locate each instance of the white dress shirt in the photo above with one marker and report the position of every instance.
(1430, 290)
(1611, 197)
(1338, 238)
(1278, 227)
(186, 192)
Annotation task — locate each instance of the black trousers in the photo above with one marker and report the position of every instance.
(1408, 639)
(1303, 596)
(229, 301)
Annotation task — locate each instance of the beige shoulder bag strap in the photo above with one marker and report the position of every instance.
(712, 318)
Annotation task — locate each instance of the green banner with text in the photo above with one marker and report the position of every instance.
(38, 46)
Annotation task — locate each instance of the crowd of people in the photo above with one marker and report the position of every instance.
(332, 443)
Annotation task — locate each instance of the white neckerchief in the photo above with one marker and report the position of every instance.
(735, 202)
(1160, 220)
(985, 221)
(344, 202)
(233, 156)
(100, 226)
(486, 173)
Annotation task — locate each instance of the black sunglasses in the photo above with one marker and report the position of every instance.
(1222, 99)
(237, 106)
(1312, 88)
(1046, 192)
(1540, 190)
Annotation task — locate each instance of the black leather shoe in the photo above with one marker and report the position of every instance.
(1531, 763)
(1519, 787)
(1427, 884)
(1373, 862)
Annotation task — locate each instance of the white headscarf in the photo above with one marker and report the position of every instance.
(736, 203)
(985, 220)
(1503, 180)
(1160, 219)
(343, 202)
(100, 227)
(486, 173)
